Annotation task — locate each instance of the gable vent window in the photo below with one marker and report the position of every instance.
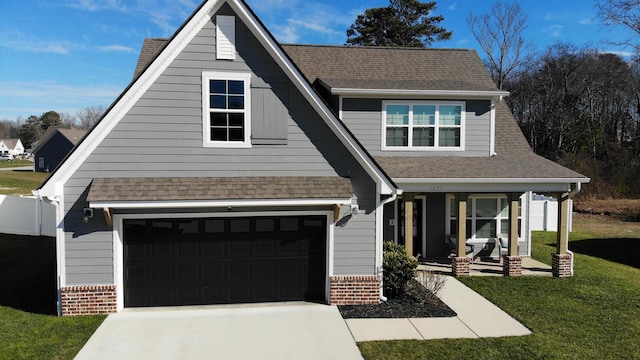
(423, 126)
(225, 37)
(226, 113)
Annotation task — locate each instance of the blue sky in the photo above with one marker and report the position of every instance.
(66, 55)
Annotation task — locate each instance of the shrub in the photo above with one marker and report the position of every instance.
(399, 267)
(432, 282)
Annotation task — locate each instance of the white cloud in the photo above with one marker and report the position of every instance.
(117, 48)
(23, 43)
(452, 7)
(554, 30)
(96, 5)
(586, 21)
(34, 98)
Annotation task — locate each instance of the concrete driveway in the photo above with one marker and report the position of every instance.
(272, 331)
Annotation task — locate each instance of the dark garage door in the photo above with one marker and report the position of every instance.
(224, 260)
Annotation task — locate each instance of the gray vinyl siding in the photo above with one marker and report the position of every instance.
(162, 136)
(364, 118)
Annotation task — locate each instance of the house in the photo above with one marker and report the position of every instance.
(11, 146)
(234, 170)
(54, 145)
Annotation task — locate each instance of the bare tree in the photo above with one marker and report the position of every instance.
(624, 13)
(499, 33)
(89, 116)
(67, 119)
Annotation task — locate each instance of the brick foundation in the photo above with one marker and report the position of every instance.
(512, 265)
(460, 266)
(561, 265)
(355, 290)
(88, 300)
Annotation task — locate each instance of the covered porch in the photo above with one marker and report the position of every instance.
(488, 267)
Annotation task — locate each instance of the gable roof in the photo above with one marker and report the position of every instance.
(52, 186)
(344, 68)
(71, 133)
(10, 143)
(151, 47)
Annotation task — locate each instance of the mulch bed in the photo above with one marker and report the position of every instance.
(417, 303)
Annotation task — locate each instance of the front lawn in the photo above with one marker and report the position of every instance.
(15, 163)
(594, 315)
(20, 182)
(27, 300)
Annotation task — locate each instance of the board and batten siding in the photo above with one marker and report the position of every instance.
(363, 116)
(161, 136)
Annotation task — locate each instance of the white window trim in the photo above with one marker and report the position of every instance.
(473, 218)
(436, 147)
(206, 129)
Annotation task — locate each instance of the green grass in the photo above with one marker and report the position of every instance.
(25, 335)
(15, 163)
(20, 182)
(27, 298)
(593, 315)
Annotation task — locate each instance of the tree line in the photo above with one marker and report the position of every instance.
(32, 128)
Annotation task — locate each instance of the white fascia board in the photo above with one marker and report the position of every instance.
(489, 184)
(179, 204)
(321, 108)
(445, 94)
(130, 97)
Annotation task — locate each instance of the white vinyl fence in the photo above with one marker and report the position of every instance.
(544, 213)
(27, 215)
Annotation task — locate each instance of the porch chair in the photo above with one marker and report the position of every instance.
(502, 243)
(453, 244)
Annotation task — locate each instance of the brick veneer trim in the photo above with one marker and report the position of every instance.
(354, 290)
(512, 265)
(88, 300)
(460, 266)
(561, 265)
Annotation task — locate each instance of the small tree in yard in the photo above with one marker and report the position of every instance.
(399, 268)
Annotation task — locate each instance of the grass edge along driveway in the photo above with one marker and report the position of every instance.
(593, 315)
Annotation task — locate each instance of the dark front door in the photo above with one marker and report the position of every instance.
(224, 260)
(418, 225)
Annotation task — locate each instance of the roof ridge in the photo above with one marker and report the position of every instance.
(408, 48)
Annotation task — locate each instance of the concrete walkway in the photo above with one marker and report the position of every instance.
(477, 317)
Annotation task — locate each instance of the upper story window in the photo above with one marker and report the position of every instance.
(226, 113)
(423, 125)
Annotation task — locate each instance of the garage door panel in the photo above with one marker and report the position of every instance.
(231, 260)
(189, 249)
(239, 247)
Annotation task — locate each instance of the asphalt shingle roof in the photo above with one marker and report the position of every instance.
(150, 49)
(218, 188)
(375, 67)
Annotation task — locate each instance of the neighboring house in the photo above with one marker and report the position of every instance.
(11, 146)
(54, 146)
(234, 170)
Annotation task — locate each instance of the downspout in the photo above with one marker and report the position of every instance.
(573, 192)
(392, 198)
(56, 203)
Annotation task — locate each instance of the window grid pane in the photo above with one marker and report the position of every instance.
(227, 102)
(449, 137)
(397, 136)
(397, 115)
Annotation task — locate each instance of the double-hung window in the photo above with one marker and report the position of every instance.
(226, 113)
(423, 125)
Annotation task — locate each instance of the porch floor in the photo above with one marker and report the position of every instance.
(487, 267)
